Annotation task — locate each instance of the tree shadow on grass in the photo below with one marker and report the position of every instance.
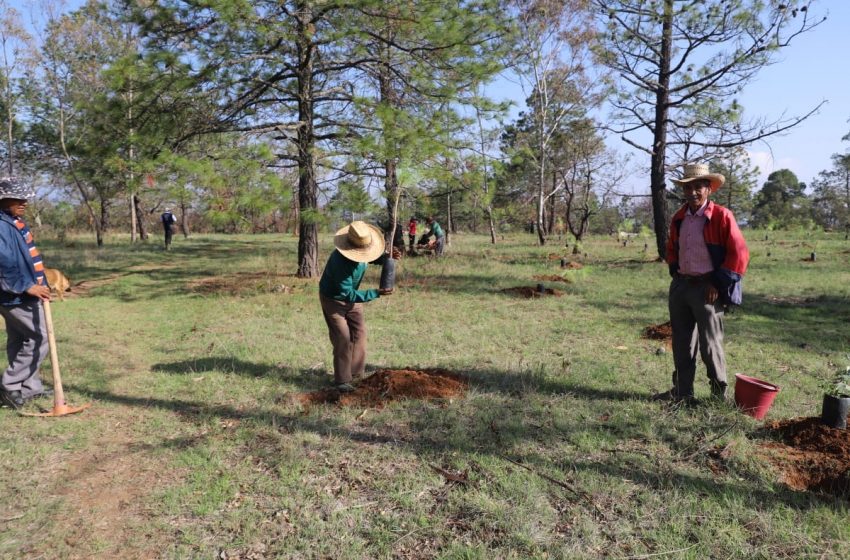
(235, 366)
(810, 323)
(433, 433)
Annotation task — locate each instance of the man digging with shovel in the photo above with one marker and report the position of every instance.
(707, 257)
(22, 289)
(342, 302)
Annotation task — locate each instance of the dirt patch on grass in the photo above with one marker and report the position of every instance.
(388, 385)
(82, 289)
(551, 278)
(530, 292)
(573, 265)
(808, 454)
(659, 332)
(104, 494)
(243, 283)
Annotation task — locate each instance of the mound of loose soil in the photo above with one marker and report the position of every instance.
(809, 455)
(551, 278)
(391, 385)
(530, 292)
(659, 332)
(572, 265)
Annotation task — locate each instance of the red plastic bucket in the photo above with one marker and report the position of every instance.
(754, 396)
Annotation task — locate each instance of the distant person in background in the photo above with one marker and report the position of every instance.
(707, 257)
(411, 232)
(168, 221)
(23, 287)
(342, 301)
(435, 231)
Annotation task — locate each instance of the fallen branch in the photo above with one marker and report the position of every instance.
(562, 484)
(450, 476)
(708, 443)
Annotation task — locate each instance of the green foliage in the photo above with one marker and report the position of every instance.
(781, 203)
(840, 384)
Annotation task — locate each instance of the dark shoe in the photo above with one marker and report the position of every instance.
(672, 396)
(718, 390)
(344, 388)
(46, 394)
(667, 396)
(12, 399)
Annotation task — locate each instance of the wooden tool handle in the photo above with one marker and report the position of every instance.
(58, 393)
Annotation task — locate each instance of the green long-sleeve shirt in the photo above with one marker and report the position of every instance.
(436, 231)
(341, 280)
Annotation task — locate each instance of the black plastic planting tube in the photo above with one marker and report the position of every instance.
(388, 274)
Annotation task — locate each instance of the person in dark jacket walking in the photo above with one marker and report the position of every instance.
(168, 221)
(342, 299)
(23, 287)
(707, 257)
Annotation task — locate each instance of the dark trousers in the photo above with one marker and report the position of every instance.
(697, 328)
(168, 235)
(347, 331)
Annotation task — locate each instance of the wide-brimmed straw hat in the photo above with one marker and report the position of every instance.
(360, 242)
(694, 171)
(11, 187)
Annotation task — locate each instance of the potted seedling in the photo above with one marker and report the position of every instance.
(836, 400)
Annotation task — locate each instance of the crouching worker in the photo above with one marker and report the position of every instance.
(435, 231)
(342, 301)
(22, 289)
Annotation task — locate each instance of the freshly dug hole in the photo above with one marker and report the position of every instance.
(387, 385)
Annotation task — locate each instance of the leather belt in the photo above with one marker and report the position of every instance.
(694, 279)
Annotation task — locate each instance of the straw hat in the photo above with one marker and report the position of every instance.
(360, 242)
(11, 187)
(694, 171)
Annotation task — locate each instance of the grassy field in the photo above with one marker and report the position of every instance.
(195, 447)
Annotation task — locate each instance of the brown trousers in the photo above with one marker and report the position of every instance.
(347, 331)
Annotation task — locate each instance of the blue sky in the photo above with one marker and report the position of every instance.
(813, 69)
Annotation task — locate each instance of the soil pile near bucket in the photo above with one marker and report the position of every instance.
(659, 332)
(391, 385)
(808, 455)
(754, 396)
(529, 292)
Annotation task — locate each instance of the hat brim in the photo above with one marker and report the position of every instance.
(716, 180)
(360, 254)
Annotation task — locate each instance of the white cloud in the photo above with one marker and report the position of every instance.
(767, 165)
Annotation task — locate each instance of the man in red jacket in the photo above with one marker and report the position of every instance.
(707, 256)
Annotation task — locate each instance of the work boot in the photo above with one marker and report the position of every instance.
(718, 390)
(12, 399)
(344, 388)
(673, 396)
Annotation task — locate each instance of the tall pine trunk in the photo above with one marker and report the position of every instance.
(659, 147)
(308, 228)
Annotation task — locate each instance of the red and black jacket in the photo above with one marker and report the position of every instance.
(726, 246)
